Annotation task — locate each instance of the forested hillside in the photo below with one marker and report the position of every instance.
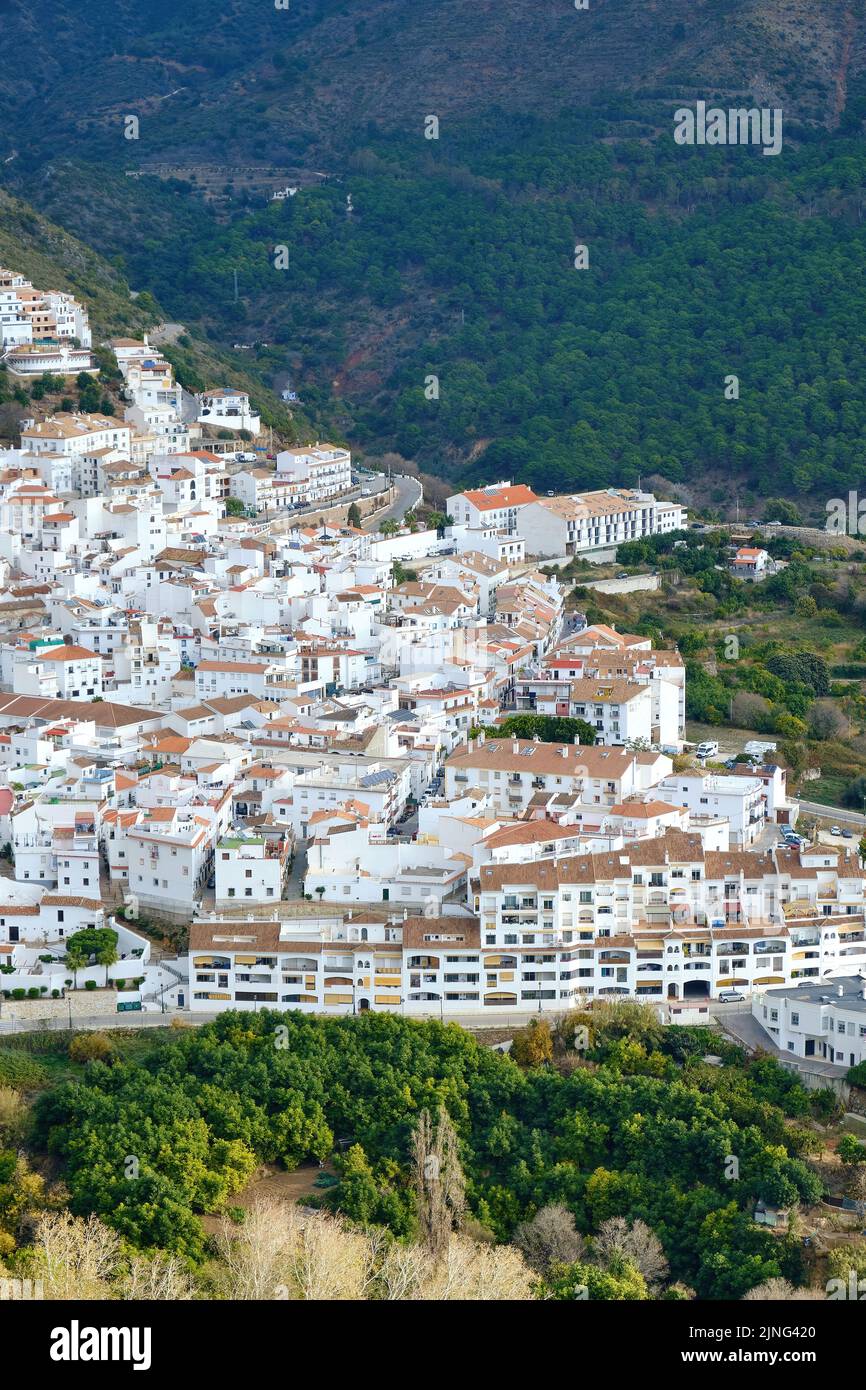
(637, 1130)
(455, 259)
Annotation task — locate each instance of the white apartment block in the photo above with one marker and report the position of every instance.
(660, 921)
(595, 522)
(515, 771)
(320, 471)
(742, 801)
(29, 315)
(825, 1022)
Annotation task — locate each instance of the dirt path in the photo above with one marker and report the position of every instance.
(275, 1185)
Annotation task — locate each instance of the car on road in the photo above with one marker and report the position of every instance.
(835, 830)
(731, 996)
(623, 576)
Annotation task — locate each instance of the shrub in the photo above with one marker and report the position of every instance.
(21, 1071)
(90, 984)
(90, 1047)
(856, 1075)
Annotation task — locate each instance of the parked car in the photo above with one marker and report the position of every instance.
(835, 830)
(847, 834)
(708, 749)
(623, 575)
(731, 996)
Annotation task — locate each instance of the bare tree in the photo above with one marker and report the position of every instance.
(780, 1290)
(401, 1271)
(477, 1273)
(162, 1278)
(284, 1252)
(330, 1262)
(440, 1186)
(636, 1243)
(74, 1258)
(256, 1255)
(549, 1238)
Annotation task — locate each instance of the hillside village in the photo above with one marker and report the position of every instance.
(272, 758)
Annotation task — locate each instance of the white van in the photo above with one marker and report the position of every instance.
(709, 749)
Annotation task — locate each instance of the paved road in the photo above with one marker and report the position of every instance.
(744, 1028)
(165, 333)
(634, 584)
(833, 813)
(409, 494)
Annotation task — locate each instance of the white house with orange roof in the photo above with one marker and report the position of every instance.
(62, 671)
(498, 506)
(170, 854)
(751, 563)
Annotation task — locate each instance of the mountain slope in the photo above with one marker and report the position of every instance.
(307, 80)
(53, 258)
(454, 258)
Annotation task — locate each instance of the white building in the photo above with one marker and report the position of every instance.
(825, 1021)
(595, 523)
(228, 409)
(250, 869)
(742, 801)
(498, 507)
(320, 471)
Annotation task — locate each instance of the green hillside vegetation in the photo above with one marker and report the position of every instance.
(53, 258)
(785, 657)
(457, 262)
(640, 1128)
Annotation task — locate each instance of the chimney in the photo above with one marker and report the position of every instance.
(482, 738)
(564, 750)
(515, 746)
(576, 740)
(472, 745)
(840, 990)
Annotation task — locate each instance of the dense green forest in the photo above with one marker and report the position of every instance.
(457, 261)
(641, 1128)
(456, 258)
